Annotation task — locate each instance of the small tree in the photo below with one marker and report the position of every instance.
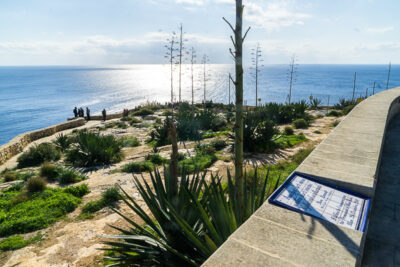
(238, 57)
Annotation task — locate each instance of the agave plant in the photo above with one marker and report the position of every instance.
(185, 228)
(62, 142)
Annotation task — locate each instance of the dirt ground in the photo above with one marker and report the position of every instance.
(74, 242)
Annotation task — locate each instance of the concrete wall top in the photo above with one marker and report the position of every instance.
(349, 157)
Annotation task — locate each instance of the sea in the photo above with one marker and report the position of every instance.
(38, 96)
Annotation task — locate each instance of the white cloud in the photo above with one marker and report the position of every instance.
(379, 30)
(273, 15)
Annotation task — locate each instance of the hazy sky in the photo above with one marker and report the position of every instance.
(96, 32)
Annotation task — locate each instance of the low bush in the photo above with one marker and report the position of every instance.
(288, 130)
(156, 159)
(62, 142)
(257, 134)
(344, 103)
(290, 140)
(69, 176)
(9, 177)
(218, 123)
(49, 171)
(315, 103)
(116, 124)
(16, 242)
(334, 113)
(167, 113)
(347, 109)
(134, 120)
(150, 118)
(301, 155)
(35, 184)
(317, 132)
(211, 134)
(38, 154)
(95, 150)
(143, 112)
(142, 166)
(38, 211)
(199, 162)
(25, 175)
(108, 197)
(77, 191)
(335, 123)
(300, 124)
(130, 142)
(161, 133)
(218, 144)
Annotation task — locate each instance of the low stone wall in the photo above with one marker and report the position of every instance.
(100, 117)
(348, 158)
(17, 144)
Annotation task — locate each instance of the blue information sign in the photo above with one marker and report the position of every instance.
(306, 195)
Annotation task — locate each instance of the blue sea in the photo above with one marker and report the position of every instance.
(35, 97)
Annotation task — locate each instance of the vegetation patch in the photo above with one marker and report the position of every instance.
(288, 130)
(143, 112)
(141, 166)
(285, 141)
(300, 124)
(16, 242)
(334, 113)
(38, 154)
(130, 142)
(199, 162)
(23, 211)
(211, 134)
(156, 159)
(108, 197)
(95, 150)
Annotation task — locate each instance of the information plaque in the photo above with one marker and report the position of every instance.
(306, 195)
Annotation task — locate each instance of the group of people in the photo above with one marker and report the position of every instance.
(81, 113)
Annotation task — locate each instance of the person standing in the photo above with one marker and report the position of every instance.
(88, 113)
(104, 113)
(75, 112)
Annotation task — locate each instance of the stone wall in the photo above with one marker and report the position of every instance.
(17, 144)
(100, 117)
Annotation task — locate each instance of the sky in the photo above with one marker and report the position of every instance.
(105, 32)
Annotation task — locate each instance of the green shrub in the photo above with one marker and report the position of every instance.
(68, 176)
(111, 195)
(288, 130)
(347, 109)
(290, 140)
(95, 150)
(35, 184)
(150, 118)
(344, 103)
(143, 112)
(218, 144)
(116, 124)
(39, 211)
(218, 123)
(141, 166)
(77, 191)
(16, 242)
(315, 103)
(25, 175)
(9, 177)
(161, 133)
(317, 132)
(167, 113)
(181, 156)
(257, 134)
(210, 134)
(134, 120)
(334, 113)
(38, 154)
(300, 124)
(62, 142)
(301, 155)
(130, 142)
(335, 123)
(199, 162)
(156, 159)
(108, 197)
(49, 171)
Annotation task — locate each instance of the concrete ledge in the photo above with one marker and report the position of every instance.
(350, 158)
